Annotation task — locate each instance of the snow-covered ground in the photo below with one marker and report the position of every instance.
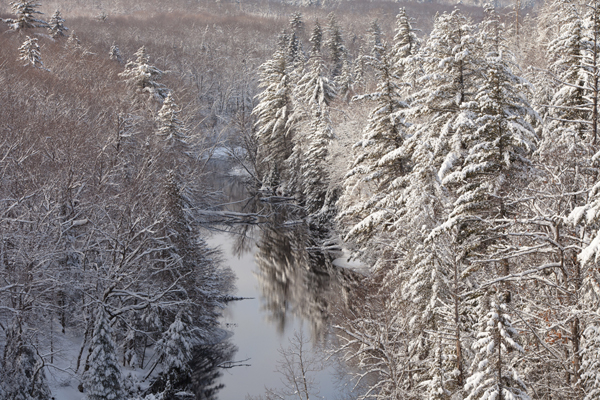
(345, 261)
(64, 380)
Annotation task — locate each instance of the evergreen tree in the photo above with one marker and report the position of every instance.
(316, 39)
(295, 55)
(174, 351)
(375, 38)
(103, 379)
(316, 93)
(591, 64)
(143, 77)
(437, 384)
(360, 69)
(406, 44)
(115, 54)
(335, 44)
(431, 274)
(170, 128)
(451, 74)
(427, 285)
(73, 41)
(297, 23)
(345, 82)
(494, 374)
(372, 187)
(273, 111)
(23, 374)
(56, 26)
(25, 11)
(497, 146)
(497, 150)
(30, 53)
(568, 103)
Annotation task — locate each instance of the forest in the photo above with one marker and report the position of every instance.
(451, 149)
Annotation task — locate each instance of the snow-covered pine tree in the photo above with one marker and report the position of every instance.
(497, 150)
(431, 273)
(312, 96)
(174, 351)
(297, 23)
(335, 44)
(295, 54)
(375, 38)
(170, 128)
(316, 93)
(345, 82)
(494, 375)
(405, 46)
(273, 111)
(359, 71)
(416, 194)
(56, 26)
(452, 72)
(591, 64)
(25, 11)
(102, 381)
(371, 189)
(142, 76)
(115, 54)
(568, 108)
(424, 280)
(316, 39)
(23, 373)
(30, 53)
(73, 41)
(495, 163)
(437, 384)
(314, 170)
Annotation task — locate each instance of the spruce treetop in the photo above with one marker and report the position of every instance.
(103, 379)
(56, 26)
(170, 127)
(316, 39)
(30, 53)
(143, 76)
(25, 11)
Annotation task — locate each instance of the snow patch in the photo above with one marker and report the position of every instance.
(346, 262)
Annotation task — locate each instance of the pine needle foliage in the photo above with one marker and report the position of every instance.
(56, 26)
(30, 53)
(25, 11)
(103, 379)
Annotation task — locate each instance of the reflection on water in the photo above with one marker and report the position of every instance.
(293, 281)
(293, 284)
(207, 364)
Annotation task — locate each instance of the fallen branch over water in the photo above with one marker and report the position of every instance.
(231, 217)
(227, 299)
(276, 199)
